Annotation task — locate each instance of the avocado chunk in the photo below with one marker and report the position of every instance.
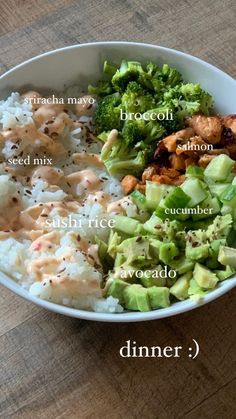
(227, 273)
(135, 249)
(113, 242)
(182, 265)
(227, 256)
(181, 286)
(136, 298)
(155, 245)
(120, 258)
(159, 297)
(104, 257)
(195, 290)
(167, 252)
(198, 253)
(116, 289)
(204, 277)
(212, 260)
(152, 278)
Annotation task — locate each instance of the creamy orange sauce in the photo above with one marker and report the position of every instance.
(48, 173)
(9, 215)
(86, 178)
(116, 206)
(84, 157)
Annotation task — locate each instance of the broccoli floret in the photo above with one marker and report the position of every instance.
(127, 164)
(109, 69)
(189, 97)
(163, 78)
(139, 130)
(154, 130)
(120, 159)
(185, 100)
(136, 98)
(103, 88)
(107, 113)
(171, 76)
(134, 131)
(130, 71)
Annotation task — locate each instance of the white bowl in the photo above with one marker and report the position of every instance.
(82, 64)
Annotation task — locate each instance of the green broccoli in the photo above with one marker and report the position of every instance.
(109, 69)
(132, 165)
(139, 90)
(163, 78)
(107, 113)
(103, 88)
(189, 98)
(134, 131)
(119, 159)
(139, 130)
(136, 98)
(130, 71)
(171, 76)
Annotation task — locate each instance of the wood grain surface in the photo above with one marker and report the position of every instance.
(57, 367)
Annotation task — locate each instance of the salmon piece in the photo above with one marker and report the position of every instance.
(230, 122)
(140, 187)
(169, 181)
(177, 162)
(190, 162)
(218, 151)
(231, 150)
(179, 180)
(205, 160)
(148, 173)
(170, 141)
(172, 173)
(194, 145)
(208, 127)
(129, 183)
(162, 179)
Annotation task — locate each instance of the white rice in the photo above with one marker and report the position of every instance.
(18, 256)
(15, 111)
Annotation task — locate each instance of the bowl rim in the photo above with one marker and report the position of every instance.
(174, 309)
(131, 43)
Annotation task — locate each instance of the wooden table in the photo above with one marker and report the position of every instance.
(57, 367)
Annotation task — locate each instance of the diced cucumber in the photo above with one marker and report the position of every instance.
(126, 225)
(177, 199)
(155, 192)
(228, 197)
(139, 200)
(152, 225)
(226, 209)
(209, 207)
(218, 188)
(195, 171)
(195, 189)
(219, 168)
(143, 216)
